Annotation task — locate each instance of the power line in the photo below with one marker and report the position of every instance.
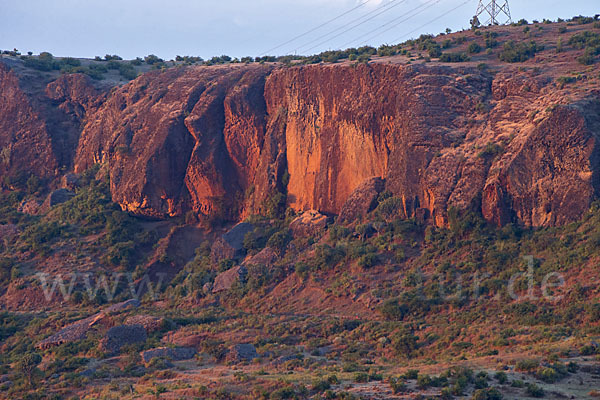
(403, 17)
(431, 21)
(381, 10)
(317, 27)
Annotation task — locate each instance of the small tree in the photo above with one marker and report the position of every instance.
(27, 366)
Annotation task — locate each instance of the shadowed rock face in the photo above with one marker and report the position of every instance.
(219, 141)
(551, 176)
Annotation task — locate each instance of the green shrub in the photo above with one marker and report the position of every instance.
(565, 80)
(283, 393)
(361, 377)
(582, 20)
(435, 52)
(491, 150)
(585, 39)
(572, 367)
(501, 377)
(393, 311)
(274, 205)
(127, 71)
(44, 62)
(28, 366)
(593, 311)
(122, 253)
(302, 270)
(327, 257)
(588, 350)
(363, 58)
(6, 266)
(487, 394)
(514, 52)
(454, 57)
(113, 57)
(368, 260)
(321, 385)
(527, 365)
(390, 209)
(337, 232)
(411, 374)
(491, 42)
(405, 344)
(73, 62)
(398, 385)
(279, 241)
(38, 237)
(474, 48)
(548, 375)
(559, 46)
(424, 381)
(589, 55)
(534, 390)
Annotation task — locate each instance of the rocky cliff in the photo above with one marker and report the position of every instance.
(40, 122)
(223, 140)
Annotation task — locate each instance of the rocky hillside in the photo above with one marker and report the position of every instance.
(517, 140)
(421, 223)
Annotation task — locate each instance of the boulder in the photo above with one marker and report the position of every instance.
(173, 354)
(122, 335)
(225, 280)
(309, 223)
(242, 352)
(185, 338)
(70, 333)
(70, 182)
(8, 232)
(362, 200)
(55, 198)
(231, 244)
(29, 207)
(78, 330)
(125, 305)
(149, 322)
(266, 256)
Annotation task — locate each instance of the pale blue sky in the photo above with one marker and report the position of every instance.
(130, 28)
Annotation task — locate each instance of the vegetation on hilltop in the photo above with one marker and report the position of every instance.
(512, 52)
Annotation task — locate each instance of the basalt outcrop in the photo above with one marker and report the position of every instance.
(224, 141)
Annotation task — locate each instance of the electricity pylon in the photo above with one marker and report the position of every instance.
(497, 12)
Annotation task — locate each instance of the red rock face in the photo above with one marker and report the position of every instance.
(178, 140)
(346, 125)
(24, 139)
(39, 124)
(222, 140)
